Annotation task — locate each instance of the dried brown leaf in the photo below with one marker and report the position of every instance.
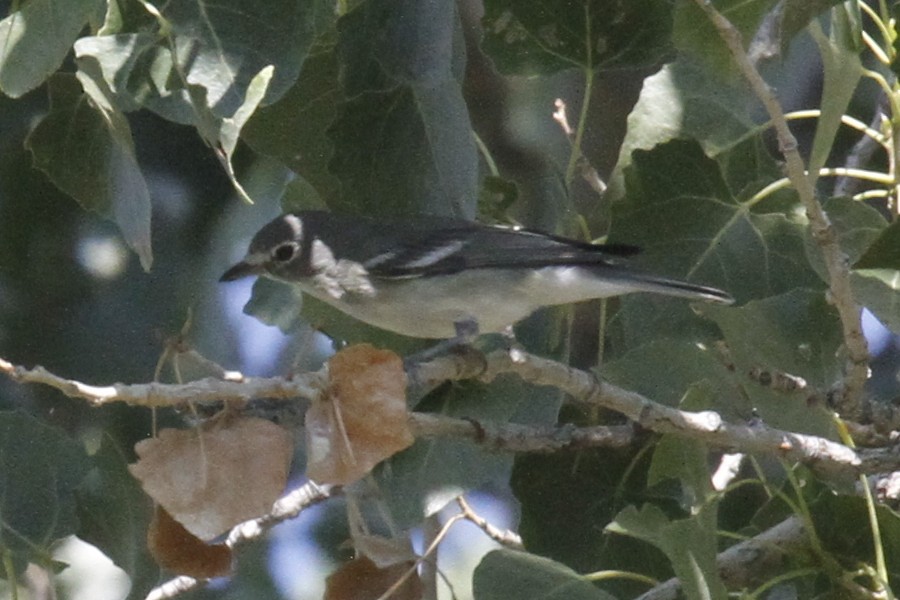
(213, 477)
(360, 579)
(174, 548)
(361, 419)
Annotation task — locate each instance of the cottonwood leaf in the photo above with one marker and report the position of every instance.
(213, 477)
(401, 67)
(681, 211)
(35, 40)
(879, 291)
(40, 469)
(294, 128)
(796, 15)
(690, 544)
(683, 100)
(176, 549)
(797, 334)
(362, 579)
(510, 575)
(842, 70)
(222, 45)
(859, 228)
(527, 37)
(665, 369)
(361, 419)
(114, 514)
(694, 33)
(84, 146)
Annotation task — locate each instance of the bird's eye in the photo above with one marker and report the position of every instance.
(284, 252)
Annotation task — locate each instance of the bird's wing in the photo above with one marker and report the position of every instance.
(471, 246)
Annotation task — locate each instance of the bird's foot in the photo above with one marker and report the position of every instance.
(466, 333)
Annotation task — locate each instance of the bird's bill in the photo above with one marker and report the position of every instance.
(241, 270)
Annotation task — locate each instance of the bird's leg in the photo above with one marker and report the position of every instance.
(466, 333)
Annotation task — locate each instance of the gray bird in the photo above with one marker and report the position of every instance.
(432, 277)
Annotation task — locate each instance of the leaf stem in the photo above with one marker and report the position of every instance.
(880, 563)
(845, 119)
(488, 158)
(615, 574)
(888, 49)
(576, 154)
(784, 182)
(10, 572)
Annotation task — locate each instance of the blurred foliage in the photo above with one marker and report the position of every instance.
(131, 130)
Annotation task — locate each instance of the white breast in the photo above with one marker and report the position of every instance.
(428, 307)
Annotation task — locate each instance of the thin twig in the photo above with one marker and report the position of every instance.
(287, 507)
(512, 437)
(163, 394)
(849, 401)
(507, 538)
(578, 160)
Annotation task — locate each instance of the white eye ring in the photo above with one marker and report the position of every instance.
(284, 252)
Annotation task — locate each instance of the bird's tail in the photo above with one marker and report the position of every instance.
(681, 289)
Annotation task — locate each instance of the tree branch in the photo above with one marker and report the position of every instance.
(830, 459)
(857, 372)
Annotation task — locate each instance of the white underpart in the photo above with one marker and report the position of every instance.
(495, 298)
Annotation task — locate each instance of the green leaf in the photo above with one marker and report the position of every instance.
(840, 54)
(879, 291)
(112, 58)
(402, 140)
(680, 210)
(223, 45)
(275, 303)
(84, 146)
(568, 498)
(385, 43)
(534, 37)
(883, 252)
(35, 40)
(842, 523)
(512, 575)
(685, 461)
(294, 128)
(417, 154)
(796, 334)
(114, 514)
(40, 467)
(423, 478)
(798, 13)
(127, 15)
(664, 370)
(141, 72)
(694, 33)
(859, 227)
(230, 129)
(682, 100)
(690, 544)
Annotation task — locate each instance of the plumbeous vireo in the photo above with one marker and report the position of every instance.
(424, 276)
